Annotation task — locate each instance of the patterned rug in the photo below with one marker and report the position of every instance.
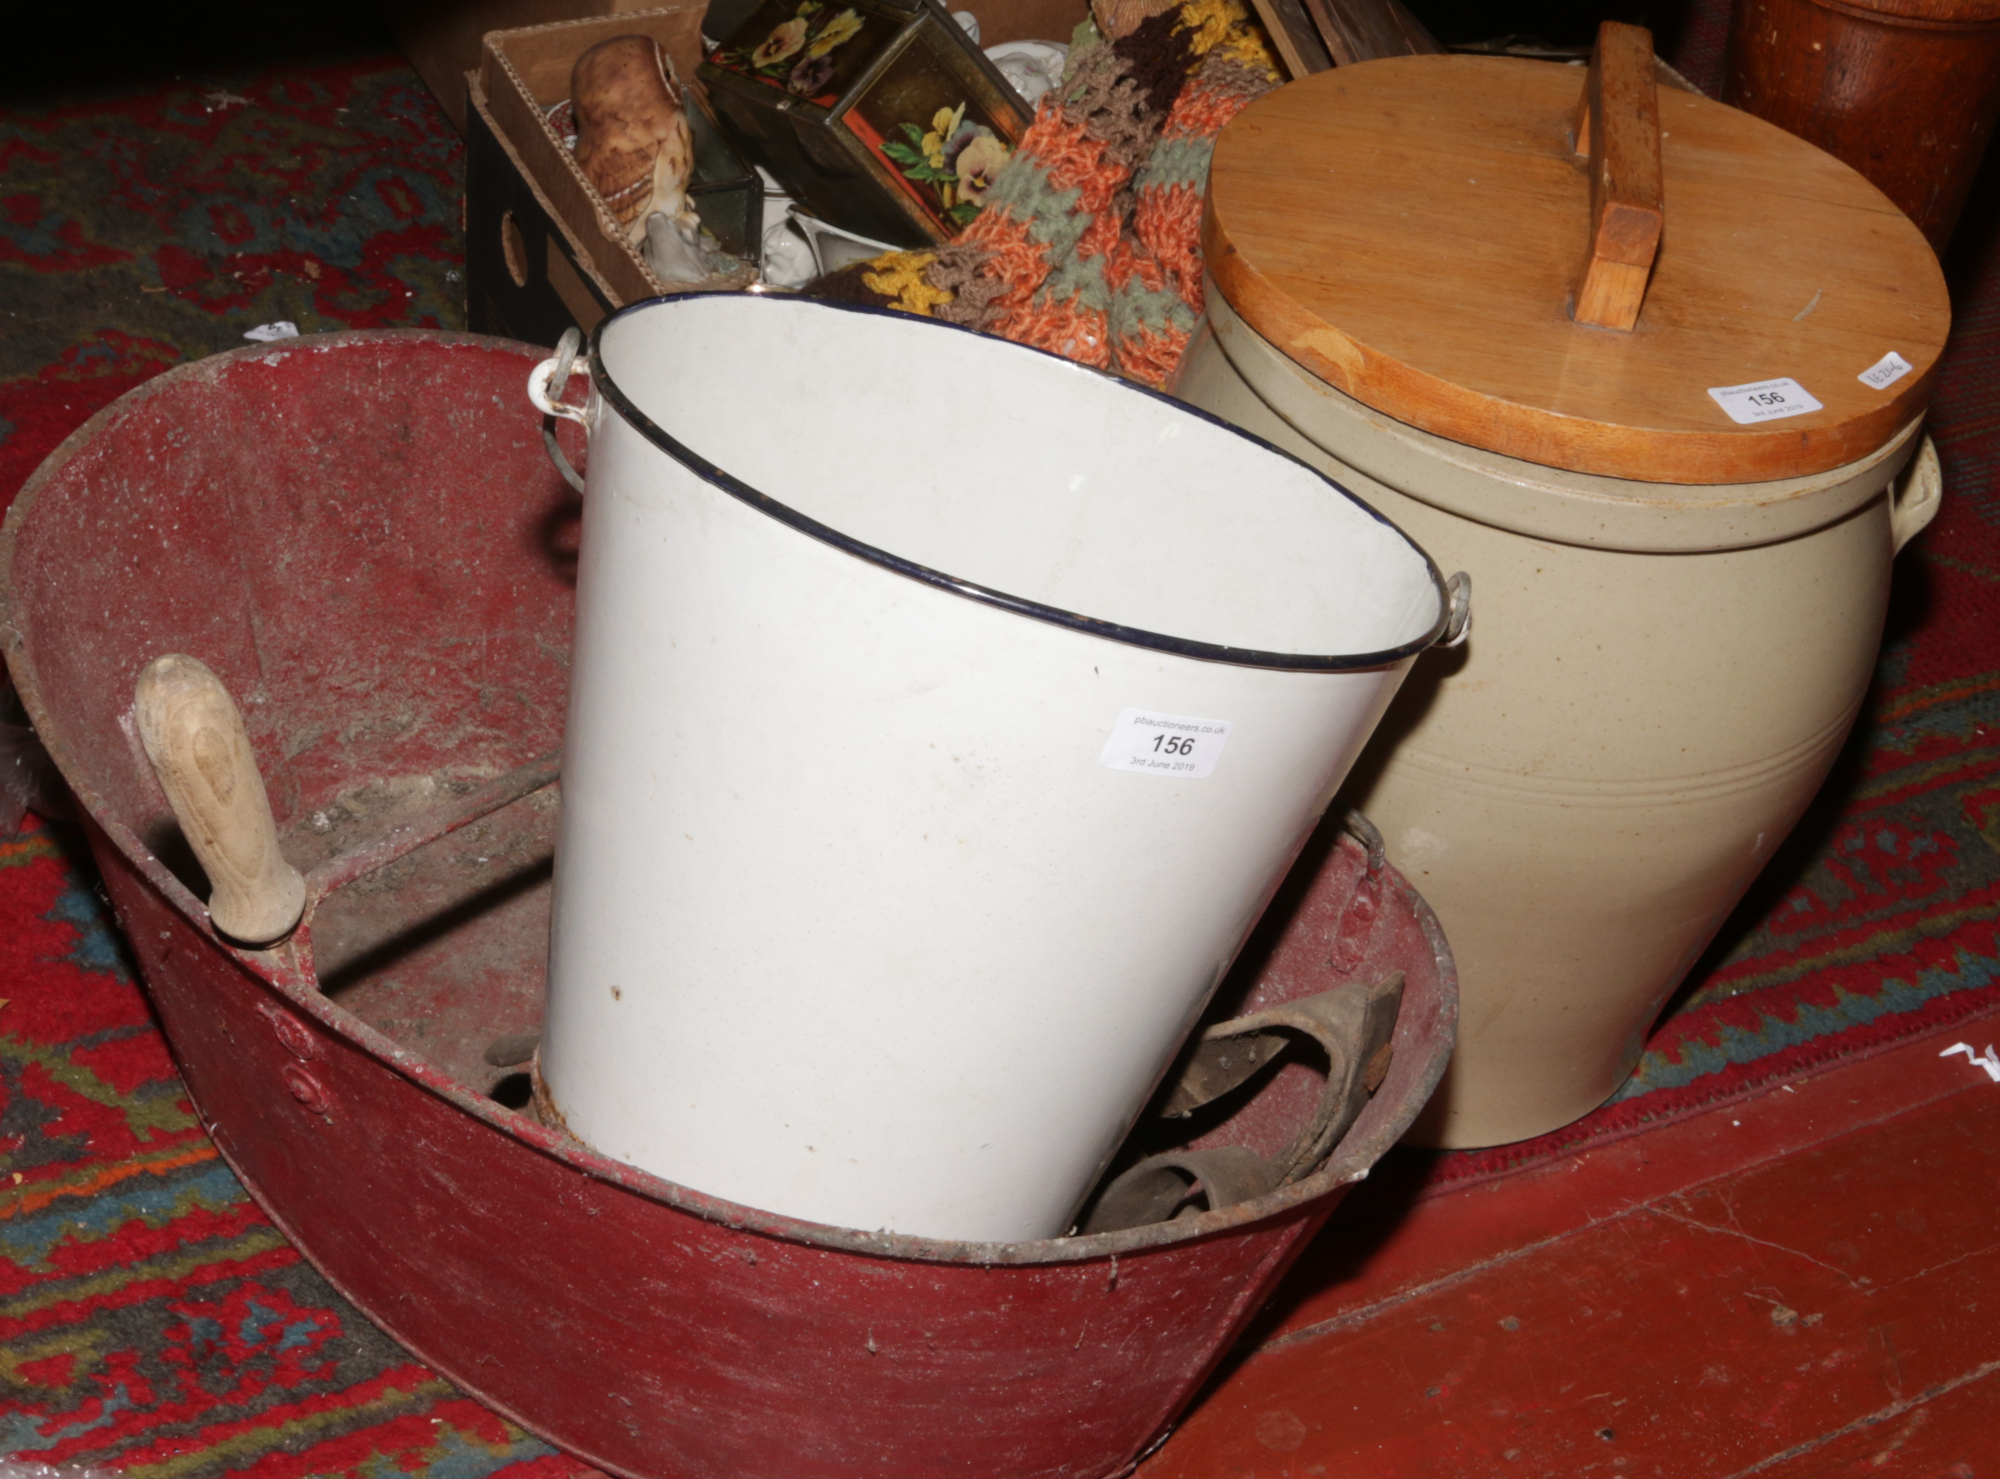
(152, 1320)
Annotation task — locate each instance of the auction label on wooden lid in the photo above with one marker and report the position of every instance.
(1886, 371)
(1764, 400)
(1165, 744)
(1334, 227)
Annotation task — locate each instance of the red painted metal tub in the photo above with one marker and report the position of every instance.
(361, 534)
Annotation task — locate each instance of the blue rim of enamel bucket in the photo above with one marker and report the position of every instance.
(1035, 610)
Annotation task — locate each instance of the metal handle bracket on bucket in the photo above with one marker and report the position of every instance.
(546, 384)
(1458, 616)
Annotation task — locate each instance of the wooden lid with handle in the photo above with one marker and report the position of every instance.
(1575, 269)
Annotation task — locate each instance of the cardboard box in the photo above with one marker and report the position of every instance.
(542, 249)
(837, 97)
(527, 276)
(442, 38)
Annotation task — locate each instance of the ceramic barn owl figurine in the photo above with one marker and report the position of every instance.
(632, 137)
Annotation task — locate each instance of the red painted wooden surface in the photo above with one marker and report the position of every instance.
(1948, 1436)
(1803, 1284)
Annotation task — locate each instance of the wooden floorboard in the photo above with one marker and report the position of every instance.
(1786, 1286)
(1941, 1435)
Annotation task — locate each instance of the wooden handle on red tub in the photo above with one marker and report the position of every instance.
(194, 736)
(1618, 126)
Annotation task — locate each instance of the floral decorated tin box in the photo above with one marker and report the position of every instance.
(884, 119)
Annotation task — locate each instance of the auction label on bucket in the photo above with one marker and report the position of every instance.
(1165, 744)
(1764, 400)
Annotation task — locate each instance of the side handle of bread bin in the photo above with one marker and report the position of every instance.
(1618, 126)
(1916, 495)
(193, 734)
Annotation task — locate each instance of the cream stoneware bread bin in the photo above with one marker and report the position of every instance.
(1652, 371)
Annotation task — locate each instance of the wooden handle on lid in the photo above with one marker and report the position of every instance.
(1618, 126)
(194, 736)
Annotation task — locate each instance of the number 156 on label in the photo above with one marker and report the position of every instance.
(1171, 745)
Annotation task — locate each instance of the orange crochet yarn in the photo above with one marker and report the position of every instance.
(1089, 245)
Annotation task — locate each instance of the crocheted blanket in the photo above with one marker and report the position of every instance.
(1089, 245)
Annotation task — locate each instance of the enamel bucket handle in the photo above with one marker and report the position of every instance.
(546, 384)
(1458, 617)
(1915, 495)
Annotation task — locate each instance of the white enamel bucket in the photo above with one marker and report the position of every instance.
(943, 714)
